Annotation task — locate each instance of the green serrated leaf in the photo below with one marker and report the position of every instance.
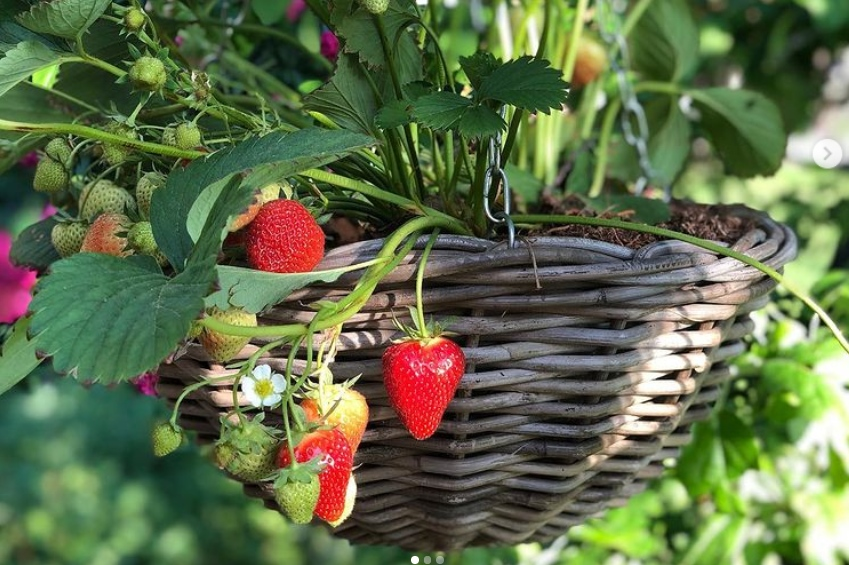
(669, 143)
(745, 128)
(18, 357)
(440, 110)
(347, 98)
(33, 248)
(479, 66)
(63, 18)
(256, 290)
(118, 324)
(392, 115)
(527, 83)
(479, 122)
(360, 33)
(665, 41)
(20, 63)
(271, 157)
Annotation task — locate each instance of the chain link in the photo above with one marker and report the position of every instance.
(609, 14)
(494, 177)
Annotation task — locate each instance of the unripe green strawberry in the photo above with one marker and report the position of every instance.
(297, 500)
(165, 438)
(50, 176)
(148, 183)
(134, 19)
(187, 135)
(247, 450)
(59, 150)
(115, 153)
(195, 329)
(141, 239)
(222, 347)
(148, 74)
(375, 6)
(108, 234)
(104, 196)
(169, 136)
(67, 237)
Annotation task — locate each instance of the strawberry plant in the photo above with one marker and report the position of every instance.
(215, 191)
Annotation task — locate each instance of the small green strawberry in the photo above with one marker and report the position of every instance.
(169, 136)
(147, 184)
(141, 239)
(67, 237)
(134, 19)
(50, 176)
(222, 347)
(297, 497)
(115, 153)
(104, 196)
(165, 438)
(148, 74)
(375, 6)
(247, 449)
(59, 150)
(187, 135)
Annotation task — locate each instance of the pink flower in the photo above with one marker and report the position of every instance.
(146, 383)
(15, 284)
(29, 160)
(329, 45)
(295, 10)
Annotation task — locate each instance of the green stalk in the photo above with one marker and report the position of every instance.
(604, 146)
(699, 242)
(574, 38)
(420, 319)
(93, 133)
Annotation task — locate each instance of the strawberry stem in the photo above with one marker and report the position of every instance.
(424, 331)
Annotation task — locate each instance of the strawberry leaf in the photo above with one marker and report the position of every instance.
(63, 18)
(33, 248)
(256, 290)
(18, 358)
(118, 324)
(441, 110)
(479, 66)
(20, 62)
(527, 83)
(271, 157)
(479, 122)
(665, 41)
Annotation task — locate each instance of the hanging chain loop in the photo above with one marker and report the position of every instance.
(495, 177)
(609, 16)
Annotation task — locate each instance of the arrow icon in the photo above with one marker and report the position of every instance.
(827, 153)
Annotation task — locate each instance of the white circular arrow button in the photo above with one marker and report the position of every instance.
(827, 153)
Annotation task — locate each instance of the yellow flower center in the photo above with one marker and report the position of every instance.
(264, 388)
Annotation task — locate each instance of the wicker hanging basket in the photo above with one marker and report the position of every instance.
(587, 364)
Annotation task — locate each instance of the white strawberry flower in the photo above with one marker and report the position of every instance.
(262, 387)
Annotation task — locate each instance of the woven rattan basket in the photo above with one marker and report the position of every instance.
(587, 364)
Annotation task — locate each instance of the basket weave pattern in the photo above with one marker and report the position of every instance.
(587, 364)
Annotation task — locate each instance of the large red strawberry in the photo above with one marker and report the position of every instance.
(421, 375)
(334, 454)
(342, 407)
(284, 238)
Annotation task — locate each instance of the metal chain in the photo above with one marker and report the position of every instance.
(494, 176)
(609, 16)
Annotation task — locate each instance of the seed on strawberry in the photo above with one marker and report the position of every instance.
(375, 6)
(147, 184)
(108, 234)
(421, 376)
(339, 406)
(590, 61)
(187, 135)
(165, 438)
(104, 196)
(284, 238)
(261, 197)
(247, 449)
(297, 499)
(222, 347)
(331, 449)
(67, 237)
(148, 74)
(50, 176)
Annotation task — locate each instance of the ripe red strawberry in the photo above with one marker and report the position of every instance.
(333, 451)
(421, 375)
(284, 238)
(590, 61)
(342, 407)
(108, 234)
(350, 499)
(262, 196)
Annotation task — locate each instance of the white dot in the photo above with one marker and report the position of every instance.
(427, 560)
(440, 560)
(414, 559)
